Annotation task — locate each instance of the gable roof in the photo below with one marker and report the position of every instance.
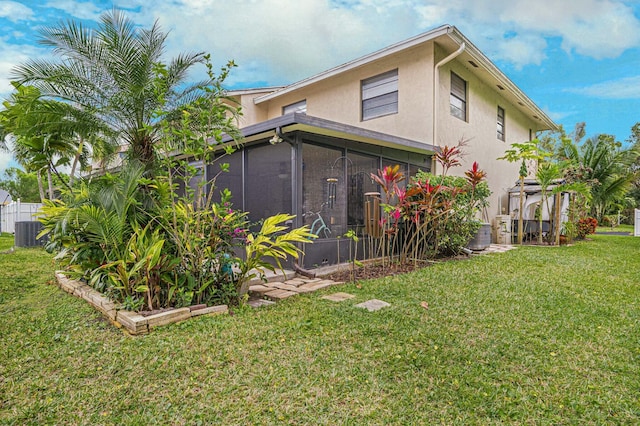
(450, 39)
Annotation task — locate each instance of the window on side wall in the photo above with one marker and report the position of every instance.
(458, 98)
(380, 95)
(501, 124)
(300, 106)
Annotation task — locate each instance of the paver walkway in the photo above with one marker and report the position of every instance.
(281, 290)
(284, 285)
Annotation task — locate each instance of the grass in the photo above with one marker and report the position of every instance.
(618, 228)
(537, 335)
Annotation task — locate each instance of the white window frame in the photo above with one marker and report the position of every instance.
(501, 124)
(300, 106)
(458, 97)
(380, 95)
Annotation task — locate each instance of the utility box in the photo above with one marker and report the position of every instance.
(26, 234)
(502, 229)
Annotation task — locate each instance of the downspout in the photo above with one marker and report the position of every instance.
(436, 95)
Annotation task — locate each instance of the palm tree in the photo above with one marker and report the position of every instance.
(606, 166)
(114, 73)
(47, 134)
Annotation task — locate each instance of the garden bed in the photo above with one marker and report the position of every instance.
(133, 322)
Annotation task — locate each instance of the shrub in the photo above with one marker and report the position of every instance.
(586, 226)
(436, 214)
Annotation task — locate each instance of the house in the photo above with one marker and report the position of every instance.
(310, 146)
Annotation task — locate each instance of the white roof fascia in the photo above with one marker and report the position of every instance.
(397, 47)
(252, 90)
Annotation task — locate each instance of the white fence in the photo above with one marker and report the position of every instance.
(636, 223)
(17, 212)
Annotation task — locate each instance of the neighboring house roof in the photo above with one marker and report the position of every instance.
(5, 198)
(297, 121)
(450, 38)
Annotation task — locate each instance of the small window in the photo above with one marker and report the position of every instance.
(458, 98)
(500, 123)
(380, 95)
(295, 107)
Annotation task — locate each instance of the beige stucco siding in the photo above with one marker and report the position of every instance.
(338, 98)
(481, 130)
(251, 113)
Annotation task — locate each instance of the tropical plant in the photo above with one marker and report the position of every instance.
(91, 227)
(388, 179)
(522, 153)
(272, 242)
(109, 72)
(440, 213)
(546, 174)
(606, 166)
(352, 235)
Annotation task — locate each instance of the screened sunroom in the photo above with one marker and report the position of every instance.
(319, 171)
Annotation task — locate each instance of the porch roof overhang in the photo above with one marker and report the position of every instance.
(302, 122)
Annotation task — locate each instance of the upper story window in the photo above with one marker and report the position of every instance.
(380, 95)
(300, 106)
(458, 98)
(500, 123)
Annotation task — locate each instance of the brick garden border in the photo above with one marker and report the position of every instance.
(133, 322)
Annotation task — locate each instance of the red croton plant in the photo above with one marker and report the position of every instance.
(418, 219)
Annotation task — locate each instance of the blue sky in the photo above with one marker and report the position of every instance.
(579, 60)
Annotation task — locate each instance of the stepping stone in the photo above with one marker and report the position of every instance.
(259, 303)
(373, 305)
(303, 289)
(260, 289)
(313, 286)
(280, 294)
(311, 280)
(283, 286)
(296, 282)
(338, 297)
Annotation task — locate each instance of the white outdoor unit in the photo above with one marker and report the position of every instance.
(502, 229)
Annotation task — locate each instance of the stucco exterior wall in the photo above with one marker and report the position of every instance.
(480, 129)
(251, 113)
(338, 98)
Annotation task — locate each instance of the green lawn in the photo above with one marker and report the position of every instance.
(619, 228)
(537, 335)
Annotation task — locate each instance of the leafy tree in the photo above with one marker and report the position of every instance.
(47, 134)
(546, 174)
(110, 72)
(20, 185)
(521, 153)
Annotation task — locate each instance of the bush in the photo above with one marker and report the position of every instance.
(435, 215)
(586, 226)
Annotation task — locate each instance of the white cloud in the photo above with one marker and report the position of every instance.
(5, 161)
(515, 30)
(279, 41)
(10, 56)
(15, 11)
(78, 9)
(624, 88)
